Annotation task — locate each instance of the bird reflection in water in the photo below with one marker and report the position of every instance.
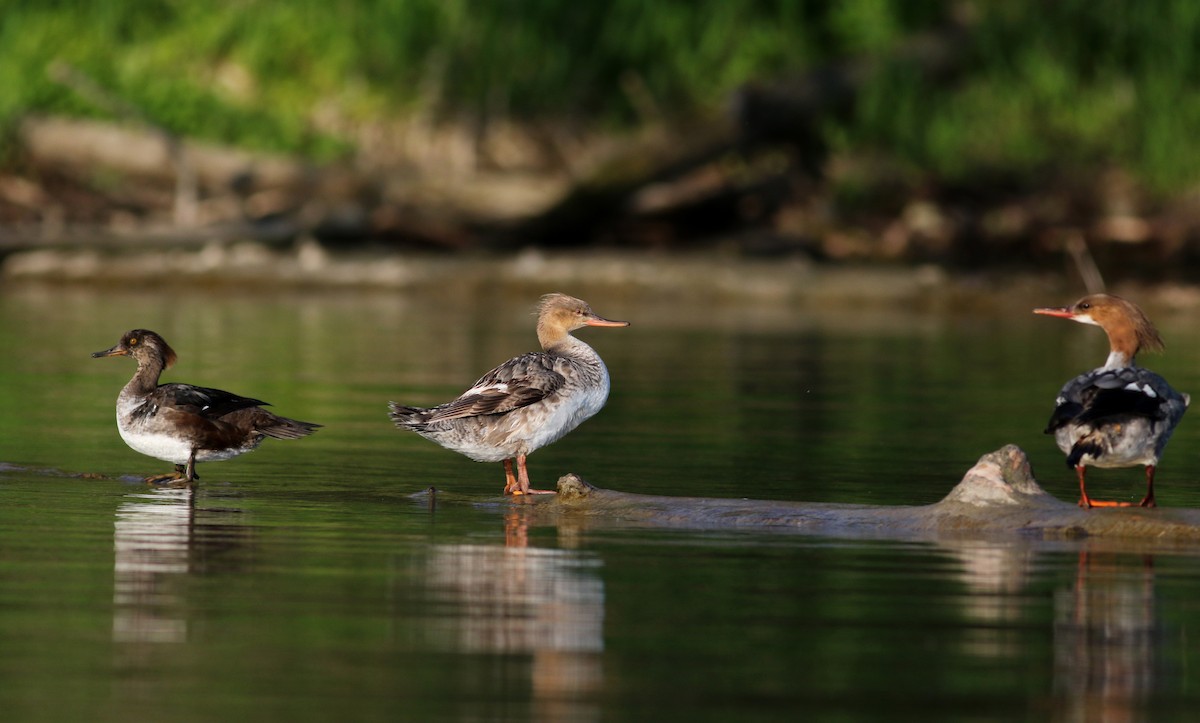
(159, 539)
(995, 574)
(519, 599)
(1108, 641)
(1107, 637)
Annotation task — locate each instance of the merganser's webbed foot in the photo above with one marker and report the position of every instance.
(178, 478)
(1088, 502)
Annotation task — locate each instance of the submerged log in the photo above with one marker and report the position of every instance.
(997, 497)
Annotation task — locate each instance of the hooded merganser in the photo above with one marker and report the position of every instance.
(526, 402)
(1118, 415)
(185, 424)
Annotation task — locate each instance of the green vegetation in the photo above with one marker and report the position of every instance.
(1067, 84)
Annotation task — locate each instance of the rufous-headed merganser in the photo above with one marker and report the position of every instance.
(1118, 415)
(185, 424)
(526, 402)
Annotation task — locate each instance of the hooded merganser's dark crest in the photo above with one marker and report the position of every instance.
(1117, 415)
(185, 424)
(526, 402)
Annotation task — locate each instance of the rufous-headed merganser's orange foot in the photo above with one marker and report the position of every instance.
(185, 424)
(1117, 415)
(525, 403)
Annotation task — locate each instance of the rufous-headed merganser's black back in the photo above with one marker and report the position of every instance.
(185, 424)
(1117, 415)
(528, 401)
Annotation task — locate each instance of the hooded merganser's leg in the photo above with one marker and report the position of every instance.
(190, 473)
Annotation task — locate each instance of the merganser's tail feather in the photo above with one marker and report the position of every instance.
(1085, 446)
(1062, 416)
(284, 428)
(408, 417)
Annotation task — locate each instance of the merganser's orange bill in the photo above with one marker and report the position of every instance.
(1063, 312)
(601, 321)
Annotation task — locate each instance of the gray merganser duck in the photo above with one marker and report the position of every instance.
(1118, 415)
(185, 424)
(526, 402)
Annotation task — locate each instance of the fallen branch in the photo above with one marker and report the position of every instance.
(998, 496)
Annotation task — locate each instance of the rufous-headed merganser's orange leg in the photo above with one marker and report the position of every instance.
(523, 480)
(1088, 502)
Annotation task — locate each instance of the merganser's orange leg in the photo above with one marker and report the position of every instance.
(1148, 500)
(510, 481)
(523, 479)
(1088, 502)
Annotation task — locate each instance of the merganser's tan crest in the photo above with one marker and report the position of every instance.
(528, 401)
(1117, 415)
(186, 424)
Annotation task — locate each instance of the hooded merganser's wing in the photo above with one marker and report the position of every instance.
(201, 401)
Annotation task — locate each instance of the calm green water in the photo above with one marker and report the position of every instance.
(311, 580)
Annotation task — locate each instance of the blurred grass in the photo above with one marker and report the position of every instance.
(1045, 85)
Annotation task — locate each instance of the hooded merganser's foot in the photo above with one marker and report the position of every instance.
(181, 477)
(528, 401)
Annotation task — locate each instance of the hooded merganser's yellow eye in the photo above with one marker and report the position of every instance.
(133, 340)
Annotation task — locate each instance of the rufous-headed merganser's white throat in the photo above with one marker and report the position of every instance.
(1117, 415)
(528, 401)
(186, 424)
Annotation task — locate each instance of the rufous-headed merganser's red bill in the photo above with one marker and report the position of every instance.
(526, 402)
(1118, 415)
(185, 424)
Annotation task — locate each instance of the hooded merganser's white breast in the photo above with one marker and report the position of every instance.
(1117, 415)
(528, 401)
(185, 424)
